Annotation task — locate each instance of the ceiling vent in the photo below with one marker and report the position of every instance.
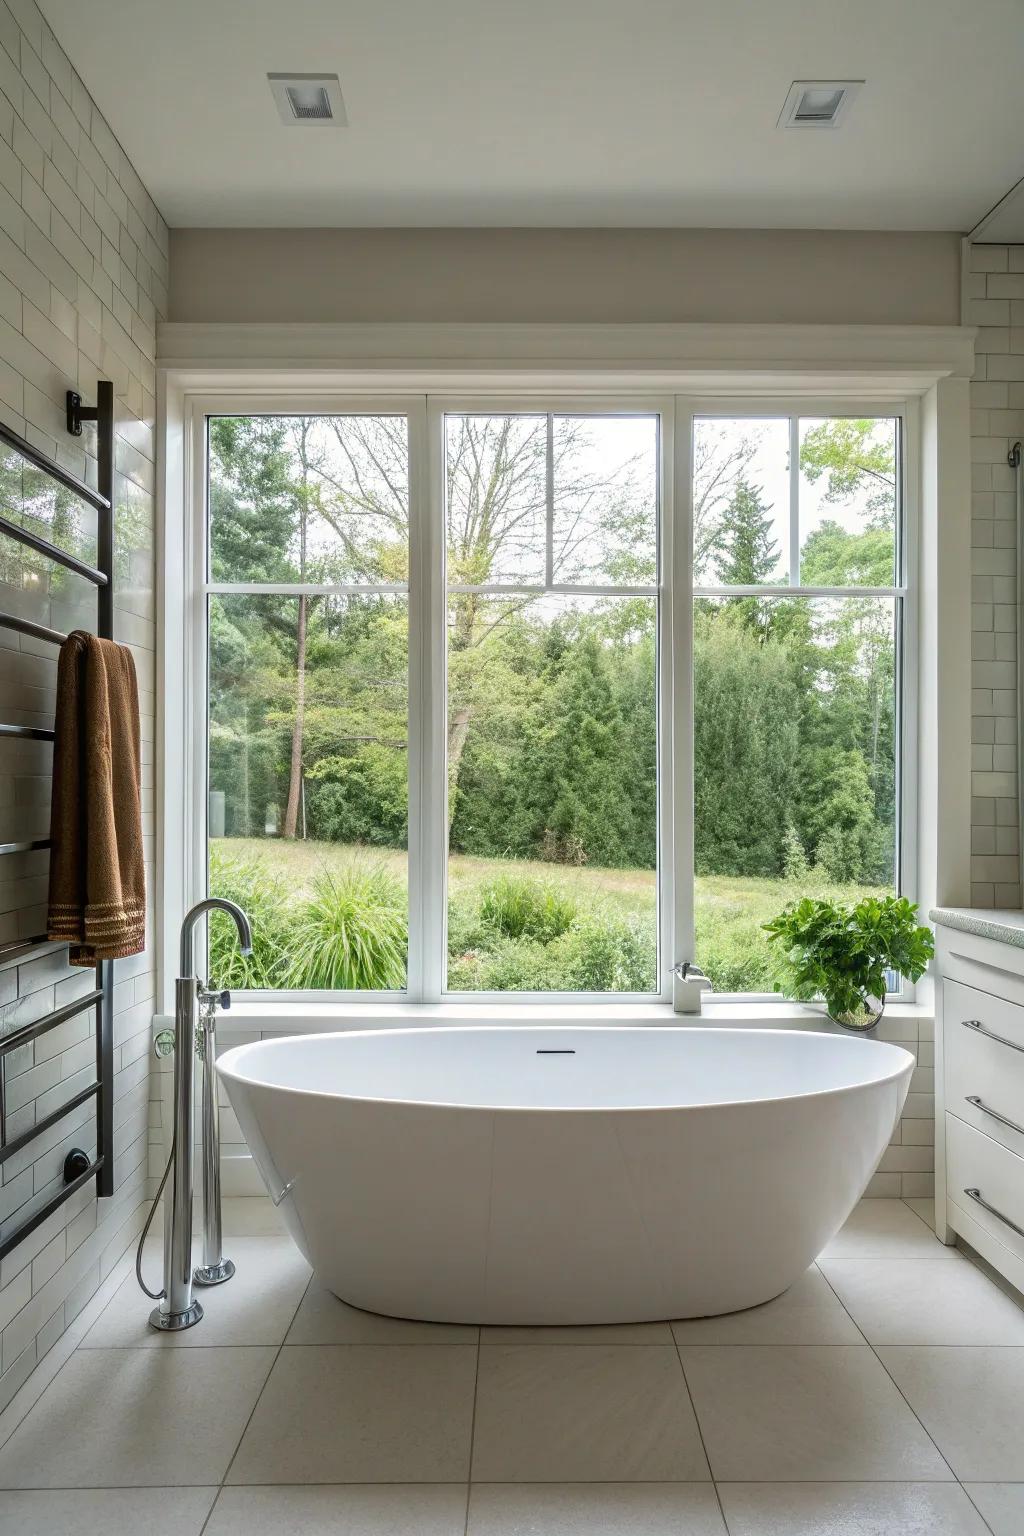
(818, 103)
(309, 101)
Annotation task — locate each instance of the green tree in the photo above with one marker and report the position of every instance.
(746, 746)
(856, 457)
(748, 550)
(748, 554)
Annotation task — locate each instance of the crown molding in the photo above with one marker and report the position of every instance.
(706, 357)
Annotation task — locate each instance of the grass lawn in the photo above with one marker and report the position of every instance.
(730, 910)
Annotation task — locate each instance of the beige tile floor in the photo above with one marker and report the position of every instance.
(883, 1395)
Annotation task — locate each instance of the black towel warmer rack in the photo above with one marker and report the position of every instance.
(78, 1168)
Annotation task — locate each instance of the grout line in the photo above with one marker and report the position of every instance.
(601, 1482)
(700, 1432)
(45, 1372)
(259, 1397)
(981, 1516)
(895, 1383)
(472, 1433)
(920, 1218)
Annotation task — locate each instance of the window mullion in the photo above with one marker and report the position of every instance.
(794, 501)
(681, 583)
(428, 473)
(549, 497)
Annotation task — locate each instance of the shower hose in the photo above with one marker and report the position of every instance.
(153, 1295)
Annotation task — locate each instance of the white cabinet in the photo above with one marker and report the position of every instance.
(979, 1048)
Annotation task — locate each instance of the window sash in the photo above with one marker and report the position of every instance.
(903, 592)
(427, 592)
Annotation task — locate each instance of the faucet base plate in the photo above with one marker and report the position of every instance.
(213, 1274)
(174, 1322)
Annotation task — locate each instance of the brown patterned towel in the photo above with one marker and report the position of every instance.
(97, 883)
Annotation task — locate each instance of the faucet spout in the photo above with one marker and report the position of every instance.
(192, 916)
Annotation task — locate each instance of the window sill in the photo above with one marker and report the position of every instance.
(251, 1019)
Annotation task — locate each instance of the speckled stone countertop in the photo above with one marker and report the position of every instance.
(1006, 926)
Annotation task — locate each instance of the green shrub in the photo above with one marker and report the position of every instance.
(599, 952)
(350, 934)
(262, 897)
(733, 951)
(604, 953)
(520, 908)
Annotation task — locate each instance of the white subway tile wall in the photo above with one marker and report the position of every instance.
(83, 281)
(994, 301)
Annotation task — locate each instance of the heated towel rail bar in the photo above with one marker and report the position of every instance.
(78, 1169)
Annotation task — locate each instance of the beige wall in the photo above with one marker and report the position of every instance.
(579, 275)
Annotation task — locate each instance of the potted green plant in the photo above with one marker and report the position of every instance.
(840, 951)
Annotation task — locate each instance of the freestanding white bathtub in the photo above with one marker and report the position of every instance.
(565, 1175)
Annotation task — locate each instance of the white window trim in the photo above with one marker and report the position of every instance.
(428, 852)
(904, 590)
(818, 367)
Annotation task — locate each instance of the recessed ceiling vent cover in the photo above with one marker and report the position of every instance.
(309, 101)
(818, 103)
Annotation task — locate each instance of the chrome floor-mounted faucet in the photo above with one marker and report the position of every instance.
(177, 1309)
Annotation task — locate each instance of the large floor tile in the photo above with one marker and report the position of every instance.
(886, 1229)
(901, 1301)
(421, 1509)
(106, 1512)
(590, 1333)
(849, 1509)
(971, 1401)
(572, 1413)
(256, 1306)
(323, 1319)
(594, 1509)
(808, 1413)
(362, 1413)
(923, 1207)
(808, 1313)
(1002, 1505)
(137, 1418)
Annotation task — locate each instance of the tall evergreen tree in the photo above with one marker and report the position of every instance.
(749, 550)
(748, 553)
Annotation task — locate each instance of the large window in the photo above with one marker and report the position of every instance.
(797, 616)
(458, 669)
(308, 690)
(552, 567)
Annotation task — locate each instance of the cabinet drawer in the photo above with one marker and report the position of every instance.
(996, 1175)
(981, 1035)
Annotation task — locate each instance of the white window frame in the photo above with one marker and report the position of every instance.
(905, 618)
(675, 591)
(428, 850)
(559, 403)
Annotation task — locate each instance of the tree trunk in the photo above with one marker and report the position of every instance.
(291, 814)
(465, 613)
(458, 730)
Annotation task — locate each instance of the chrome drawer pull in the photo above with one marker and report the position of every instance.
(972, 1098)
(975, 1195)
(980, 1029)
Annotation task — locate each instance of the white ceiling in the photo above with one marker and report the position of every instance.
(561, 112)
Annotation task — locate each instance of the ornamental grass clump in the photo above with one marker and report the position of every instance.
(523, 908)
(841, 951)
(350, 933)
(263, 896)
